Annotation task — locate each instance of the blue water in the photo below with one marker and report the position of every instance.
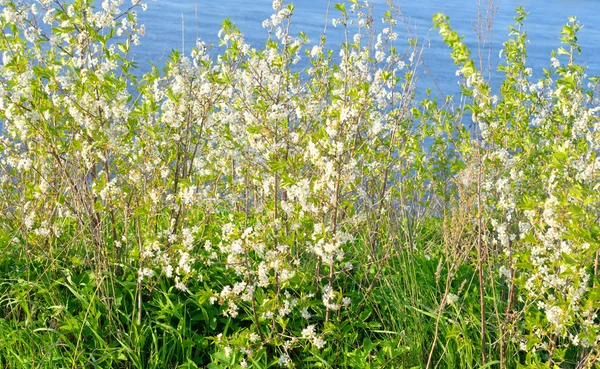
(166, 19)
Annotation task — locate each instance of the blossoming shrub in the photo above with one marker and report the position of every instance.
(538, 143)
(239, 210)
(235, 171)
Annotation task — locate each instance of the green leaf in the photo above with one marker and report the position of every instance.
(563, 51)
(341, 7)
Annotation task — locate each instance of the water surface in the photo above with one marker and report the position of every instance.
(174, 24)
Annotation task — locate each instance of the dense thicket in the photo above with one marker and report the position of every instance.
(230, 211)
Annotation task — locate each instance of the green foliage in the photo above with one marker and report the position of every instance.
(234, 212)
